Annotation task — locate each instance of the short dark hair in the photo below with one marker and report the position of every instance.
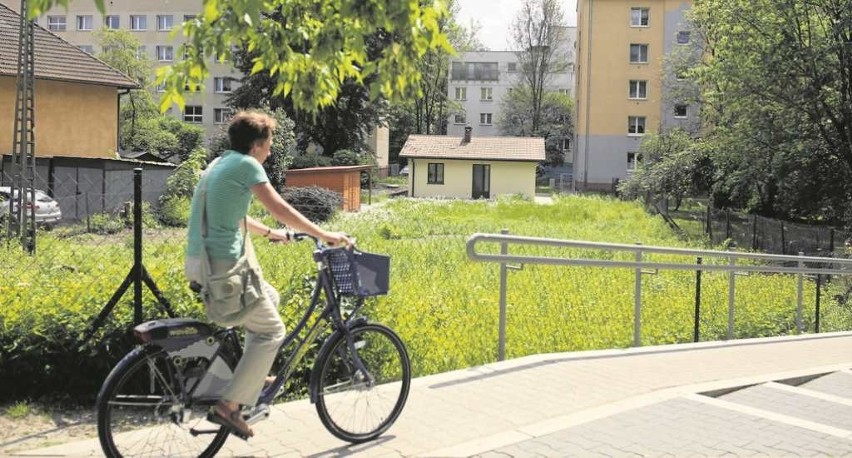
(248, 127)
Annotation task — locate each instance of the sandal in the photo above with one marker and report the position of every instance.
(233, 420)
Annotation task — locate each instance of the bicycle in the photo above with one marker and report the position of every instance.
(155, 400)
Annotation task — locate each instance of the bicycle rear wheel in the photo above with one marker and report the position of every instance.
(143, 411)
(352, 407)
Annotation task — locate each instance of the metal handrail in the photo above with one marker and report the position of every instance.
(803, 265)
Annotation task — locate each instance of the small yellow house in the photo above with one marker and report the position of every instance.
(76, 95)
(471, 167)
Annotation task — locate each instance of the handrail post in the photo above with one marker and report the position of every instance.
(696, 335)
(731, 294)
(504, 281)
(637, 300)
(800, 288)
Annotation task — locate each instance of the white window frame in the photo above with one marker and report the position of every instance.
(459, 119)
(638, 15)
(685, 111)
(636, 88)
(197, 115)
(161, 22)
(165, 53)
(485, 119)
(640, 47)
(222, 84)
(512, 67)
(222, 115)
(486, 94)
(89, 49)
(635, 124)
(565, 144)
(142, 52)
(85, 22)
(138, 22)
(634, 160)
(108, 21)
(461, 93)
(161, 88)
(57, 23)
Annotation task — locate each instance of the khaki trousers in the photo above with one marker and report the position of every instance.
(264, 334)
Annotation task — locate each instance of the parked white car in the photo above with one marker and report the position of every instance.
(47, 210)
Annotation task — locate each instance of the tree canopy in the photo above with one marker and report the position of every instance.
(320, 45)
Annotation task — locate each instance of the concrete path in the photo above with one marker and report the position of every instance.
(677, 400)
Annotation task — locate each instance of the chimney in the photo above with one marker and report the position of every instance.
(467, 132)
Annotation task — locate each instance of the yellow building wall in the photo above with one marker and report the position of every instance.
(71, 119)
(506, 178)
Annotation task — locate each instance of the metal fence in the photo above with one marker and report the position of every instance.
(731, 262)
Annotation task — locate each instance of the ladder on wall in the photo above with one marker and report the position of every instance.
(21, 221)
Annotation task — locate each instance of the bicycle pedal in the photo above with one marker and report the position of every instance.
(256, 414)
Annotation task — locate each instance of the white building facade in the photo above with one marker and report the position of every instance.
(480, 80)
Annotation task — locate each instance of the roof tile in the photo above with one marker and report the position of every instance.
(55, 58)
(495, 148)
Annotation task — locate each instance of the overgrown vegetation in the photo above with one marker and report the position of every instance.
(443, 305)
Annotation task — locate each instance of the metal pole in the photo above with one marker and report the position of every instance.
(696, 334)
(731, 289)
(637, 302)
(800, 287)
(816, 313)
(137, 245)
(504, 280)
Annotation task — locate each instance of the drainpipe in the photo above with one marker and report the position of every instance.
(588, 96)
(118, 119)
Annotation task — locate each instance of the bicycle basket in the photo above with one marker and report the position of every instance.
(358, 273)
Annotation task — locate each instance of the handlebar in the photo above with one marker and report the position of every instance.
(299, 236)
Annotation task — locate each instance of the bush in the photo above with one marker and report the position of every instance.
(175, 211)
(317, 204)
(346, 157)
(175, 201)
(308, 160)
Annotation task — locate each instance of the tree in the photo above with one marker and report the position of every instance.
(777, 89)
(555, 124)
(321, 45)
(540, 38)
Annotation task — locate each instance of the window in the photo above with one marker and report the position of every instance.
(111, 22)
(161, 88)
(638, 90)
(486, 93)
(56, 23)
(87, 48)
(138, 22)
(681, 110)
(633, 161)
(142, 52)
(565, 144)
(435, 173)
(222, 115)
(681, 73)
(165, 53)
(478, 71)
(485, 119)
(513, 67)
(192, 113)
(459, 119)
(222, 84)
(461, 93)
(638, 54)
(188, 17)
(638, 17)
(635, 125)
(683, 37)
(84, 22)
(165, 21)
(563, 91)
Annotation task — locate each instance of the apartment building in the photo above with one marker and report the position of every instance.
(624, 86)
(478, 82)
(153, 23)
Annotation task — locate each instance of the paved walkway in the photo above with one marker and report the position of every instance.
(676, 400)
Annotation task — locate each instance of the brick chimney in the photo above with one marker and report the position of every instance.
(467, 131)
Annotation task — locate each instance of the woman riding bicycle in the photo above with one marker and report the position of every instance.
(229, 185)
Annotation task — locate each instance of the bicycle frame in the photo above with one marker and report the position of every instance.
(330, 316)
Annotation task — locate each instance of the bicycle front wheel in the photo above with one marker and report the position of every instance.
(357, 406)
(143, 410)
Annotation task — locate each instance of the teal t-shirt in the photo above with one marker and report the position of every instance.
(229, 185)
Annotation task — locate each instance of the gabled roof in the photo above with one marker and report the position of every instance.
(494, 148)
(55, 58)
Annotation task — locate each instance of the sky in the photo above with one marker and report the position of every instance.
(494, 17)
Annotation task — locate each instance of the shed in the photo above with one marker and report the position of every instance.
(345, 179)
